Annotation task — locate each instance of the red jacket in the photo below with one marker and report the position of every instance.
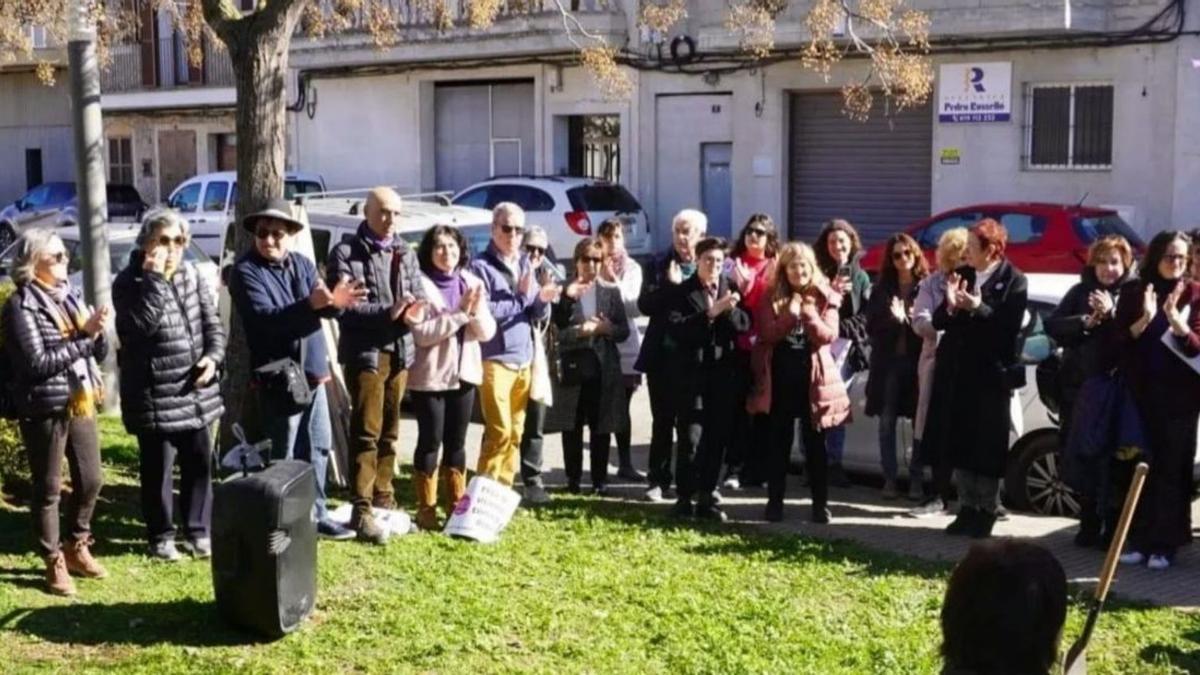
(826, 391)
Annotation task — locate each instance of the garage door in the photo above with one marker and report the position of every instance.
(875, 174)
(483, 130)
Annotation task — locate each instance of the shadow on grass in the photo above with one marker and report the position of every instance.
(1187, 660)
(186, 623)
(116, 523)
(743, 539)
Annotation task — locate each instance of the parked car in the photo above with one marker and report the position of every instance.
(567, 207)
(56, 205)
(1042, 238)
(207, 202)
(121, 242)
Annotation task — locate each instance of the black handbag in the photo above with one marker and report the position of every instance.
(282, 384)
(578, 366)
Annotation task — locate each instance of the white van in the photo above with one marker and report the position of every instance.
(208, 201)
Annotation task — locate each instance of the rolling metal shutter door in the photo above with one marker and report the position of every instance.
(875, 174)
(481, 130)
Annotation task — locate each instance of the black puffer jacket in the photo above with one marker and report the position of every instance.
(165, 328)
(41, 356)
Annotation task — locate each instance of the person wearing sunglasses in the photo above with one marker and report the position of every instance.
(751, 266)
(281, 301)
(591, 322)
(172, 344)
(516, 299)
(54, 343)
(537, 409)
(374, 346)
(1150, 335)
(895, 350)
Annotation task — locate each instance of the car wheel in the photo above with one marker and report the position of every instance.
(1034, 480)
(8, 234)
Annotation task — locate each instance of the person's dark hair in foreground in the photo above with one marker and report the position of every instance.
(1004, 611)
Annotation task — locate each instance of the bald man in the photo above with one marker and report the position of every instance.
(374, 348)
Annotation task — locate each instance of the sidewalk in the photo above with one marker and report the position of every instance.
(859, 515)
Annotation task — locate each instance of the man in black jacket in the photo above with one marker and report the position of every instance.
(704, 321)
(171, 346)
(657, 357)
(373, 347)
(281, 302)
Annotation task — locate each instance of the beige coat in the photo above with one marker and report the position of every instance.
(442, 361)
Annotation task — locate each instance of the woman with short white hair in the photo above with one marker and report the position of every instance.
(53, 341)
(172, 343)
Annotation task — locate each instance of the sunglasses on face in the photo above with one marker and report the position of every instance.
(512, 229)
(591, 259)
(179, 241)
(58, 257)
(277, 235)
(535, 250)
(756, 232)
(901, 254)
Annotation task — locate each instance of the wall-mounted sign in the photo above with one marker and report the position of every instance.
(950, 156)
(975, 92)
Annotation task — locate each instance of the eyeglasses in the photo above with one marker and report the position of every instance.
(756, 232)
(512, 229)
(535, 250)
(1174, 257)
(901, 254)
(277, 235)
(178, 242)
(58, 257)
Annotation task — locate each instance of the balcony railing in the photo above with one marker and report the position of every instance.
(170, 69)
(415, 14)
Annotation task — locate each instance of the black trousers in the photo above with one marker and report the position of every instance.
(157, 456)
(47, 441)
(587, 412)
(789, 403)
(625, 436)
(705, 407)
(531, 443)
(663, 386)
(442, 419)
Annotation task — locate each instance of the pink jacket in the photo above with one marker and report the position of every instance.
(441, 360)
(826, 391)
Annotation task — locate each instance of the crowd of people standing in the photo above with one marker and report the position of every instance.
(746, 342)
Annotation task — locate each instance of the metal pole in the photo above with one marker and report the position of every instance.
(90, 190)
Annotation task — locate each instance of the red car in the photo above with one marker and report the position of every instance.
(1049, 238)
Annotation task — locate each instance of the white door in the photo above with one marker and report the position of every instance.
(683, 125)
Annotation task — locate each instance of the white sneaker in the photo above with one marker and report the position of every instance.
(653, 494)
(1133, 558)
(732, 483)
(1158, 562)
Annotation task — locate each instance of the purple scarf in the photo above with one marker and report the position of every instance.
(452, 286)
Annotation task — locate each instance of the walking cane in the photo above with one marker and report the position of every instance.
(1076, 661)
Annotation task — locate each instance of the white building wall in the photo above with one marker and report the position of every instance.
(33, 115)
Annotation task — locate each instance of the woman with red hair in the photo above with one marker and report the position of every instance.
(977, 368)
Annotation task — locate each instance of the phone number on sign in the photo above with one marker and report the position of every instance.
(974, 117)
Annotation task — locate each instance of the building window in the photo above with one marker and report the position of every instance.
(37, 36)
(120, 160)
(1069, 126)
(594, 146)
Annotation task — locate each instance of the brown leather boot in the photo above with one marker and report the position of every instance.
(80, 561)
(58, 580)
(425, 488)
(456, 487)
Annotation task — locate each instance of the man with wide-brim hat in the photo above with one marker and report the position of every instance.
(275, 209)
(281, 302)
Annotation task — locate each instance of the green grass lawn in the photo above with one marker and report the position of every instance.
(583, 585)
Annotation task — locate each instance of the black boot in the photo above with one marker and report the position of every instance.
(981, 527)
(1088, 535)
(963, 523)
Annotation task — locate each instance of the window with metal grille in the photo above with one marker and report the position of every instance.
(1068, 126)
(120, 160)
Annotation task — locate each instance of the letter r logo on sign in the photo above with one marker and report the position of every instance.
(976, 78)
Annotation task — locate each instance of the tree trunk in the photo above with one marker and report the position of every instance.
(258, 49)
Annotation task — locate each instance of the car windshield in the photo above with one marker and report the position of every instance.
(602, 198)
(1091, 228)
(292, 188)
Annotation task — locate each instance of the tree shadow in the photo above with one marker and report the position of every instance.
(186, 623)
(1187, 660)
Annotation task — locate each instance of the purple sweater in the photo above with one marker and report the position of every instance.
(513, 342)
